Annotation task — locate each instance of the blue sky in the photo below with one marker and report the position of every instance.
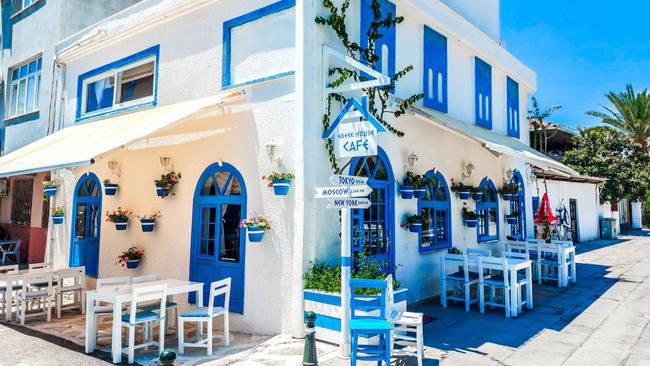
(579, 49)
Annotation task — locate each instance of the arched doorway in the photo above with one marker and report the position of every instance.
(373, 229)
(86, 211)
(518, 203)
(218, 244)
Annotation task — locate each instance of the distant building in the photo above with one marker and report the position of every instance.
(558, 139)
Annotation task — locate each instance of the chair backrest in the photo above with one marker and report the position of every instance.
(146, 278)
(516, 246)
(370, 307)
(146, 293)
(517, 255)
(390, 293)
(493, 264)
(536, 241)
(11, 247)
(45, 265)
(70, 277)
(482, 252)
(218, 288)
(568, 243)
(38, 278)
(455, 260)
(546, 250)
(113, 281)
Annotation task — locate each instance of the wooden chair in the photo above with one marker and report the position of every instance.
(106, 309)
(71, 281)
(408, 328)
(4, 307)
(494, 281)
(171, 306)
(137, 317)
(32, 293)
(202, 314)
(460, 276)
(521, 280)
(368, 319)
(12, 249)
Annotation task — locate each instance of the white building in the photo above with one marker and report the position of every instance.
(215, 86)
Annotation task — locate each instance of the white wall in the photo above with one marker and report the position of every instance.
(484, 14)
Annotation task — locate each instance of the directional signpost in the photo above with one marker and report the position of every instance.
(362, 203)
(342, 192)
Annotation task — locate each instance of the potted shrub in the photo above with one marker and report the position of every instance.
(110, 189)
(119, 217)
(464, 191)
(280, 182)
(508, 192)
(58, 214)
(454, 250)
(256, 226)
(470, 217)
(148, 222)
(419, 186)
(477, 194)
(131, 257)
(513, 217)
(412, 222)
(166, 183)
(50, 187)
(406, 188)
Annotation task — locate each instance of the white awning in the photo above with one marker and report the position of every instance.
(80, 144)
(493, 141)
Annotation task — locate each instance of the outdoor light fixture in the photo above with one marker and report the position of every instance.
(469, 168)
(412, 160)
(164, 161)
(114, 167)
(509, 174)
(271, 150)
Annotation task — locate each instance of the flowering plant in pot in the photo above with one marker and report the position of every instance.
(412, 222)
(508, 191)
(119, 217)
(463, 190)
(148, 222)
(131, 257)
(50, 187)
(470, 217)
(512, 217)
(110, 189)
(477, 193)
(419, 186)
(454, 250)
(406, 189)
(58, 214)
(256, 226)
(280, 182)
(166, 183)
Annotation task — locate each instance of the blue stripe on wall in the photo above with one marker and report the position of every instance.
(483, 93)
(512, 107)
(435, 69)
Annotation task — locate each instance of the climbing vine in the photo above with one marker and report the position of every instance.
(378, 97)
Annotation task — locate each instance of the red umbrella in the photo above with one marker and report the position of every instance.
(544, 213)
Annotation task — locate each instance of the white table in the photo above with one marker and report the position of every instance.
(565, 252)
(117, 296)
(12, 278)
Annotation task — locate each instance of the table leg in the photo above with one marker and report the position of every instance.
(574, 274)
(91, 327)
(199, 327)
(116, 342)
(9, 304)
(529, 287)
(513, 292)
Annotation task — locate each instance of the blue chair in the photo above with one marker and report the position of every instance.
(368, 319)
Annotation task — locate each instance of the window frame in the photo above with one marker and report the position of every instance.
(12, 99)
(435, 60)
(520, 204)
(23, 7)
(512, 108)
(113, 69)
(20, 208)
(437, 206)
(482, 205)
(483, 100)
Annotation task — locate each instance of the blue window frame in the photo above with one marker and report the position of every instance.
(518, 203)
(373, 229)
(384, 46)
(535, 203)
(512, 107)
(123, 85)
(483, 93)
(434, 73)
(488, 208)
(24, 88)
(226, 76)
(435, 209)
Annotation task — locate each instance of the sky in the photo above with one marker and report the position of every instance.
(580, 49)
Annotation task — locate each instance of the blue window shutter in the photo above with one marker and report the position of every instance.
(512, 107)
(388, 40)
(483, 93)
(434, 73)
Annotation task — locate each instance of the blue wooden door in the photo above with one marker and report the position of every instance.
(87, 208)
(218, 244)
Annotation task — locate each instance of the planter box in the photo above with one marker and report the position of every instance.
(406, 192)
(57, 219)
(327, 306)
(147, 225)
(281, 186)
(110, 189)
(49, 191)
(464, 195)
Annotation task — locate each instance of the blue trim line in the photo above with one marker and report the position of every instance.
(22, 119)
(435, 60)
(240, 20)
(154, 50)
(359, 106)
(483, 91)
(512, 104)
(346, 261)
(323, 298)
(261, 80)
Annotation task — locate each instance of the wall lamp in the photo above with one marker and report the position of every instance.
(469, 168)
(114, 167)
(412, 160)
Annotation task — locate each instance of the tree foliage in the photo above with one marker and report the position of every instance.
(607, 153)
(537, 118)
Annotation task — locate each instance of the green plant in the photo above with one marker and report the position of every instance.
(409, 179)
(57, 211)
(470, 214)
(409, 220)
(540, 127)
(117, 215)
(460, 187)
(327, 277)
(51, 183)
(153, 216)
(131, 254)
(277, 175)
(514, 213)
(257, 220)
(454, 250)
(419, 181)
(509, 189)
(107, 181)
(168, 180)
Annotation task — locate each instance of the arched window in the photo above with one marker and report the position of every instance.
(518, 203)
(488, 207)
(435, 210)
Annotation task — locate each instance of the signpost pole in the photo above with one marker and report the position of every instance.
(346, 262)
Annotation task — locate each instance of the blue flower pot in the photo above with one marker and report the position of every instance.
(507, 196)
(162, 192)
(406, 192)
(49, 191)
(477, 196)
(255, 234)
(512, 220)
(147, 225)
(471, 222)
(57, 219)
(110, 189)
(416, 227)
(419, 192)
(281, 186)
(464, 195)
(121, 224)
(132, 264)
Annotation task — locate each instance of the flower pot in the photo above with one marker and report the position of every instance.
(415, 227)
(49, 191)
(471, 222)
(57, 219)
(132, 264)
(147, 225)
(162, 191)
(121, 224)
(110, 189)
(255, 234)
(464, 195)
(419, 193)
(406, 192)
(477, 196)
(507, 196)
(281, 186)
(512, 220)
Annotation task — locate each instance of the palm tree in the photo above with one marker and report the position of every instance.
(536, 118)
(630, 114)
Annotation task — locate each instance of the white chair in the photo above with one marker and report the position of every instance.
(549, 263)
(521, 279)
(146, 278)
(71, 281)
(3, 290)
(563, 242)
(107, 308)
(137, 317)
(201, 314)
(478, 252)
(404, 323)
(31, 293)
(11, 249)
(494, 281)
(460, 276)
(153, 306)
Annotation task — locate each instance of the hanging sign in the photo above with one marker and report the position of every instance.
(362, 203)
(347, 180)
(356, 139)
(343, 192)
